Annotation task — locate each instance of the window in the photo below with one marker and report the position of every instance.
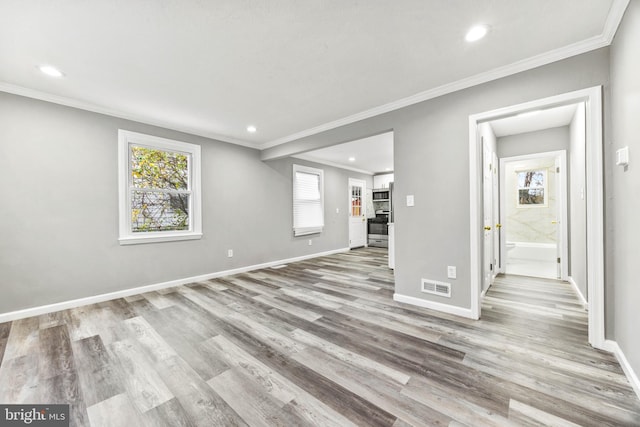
(159, 182)
(532, 186)
(308, 204)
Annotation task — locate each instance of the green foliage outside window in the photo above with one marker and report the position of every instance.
(160, 196)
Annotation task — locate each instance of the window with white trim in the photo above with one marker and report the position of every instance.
(308, 200)
(159, 183)
(532, 188)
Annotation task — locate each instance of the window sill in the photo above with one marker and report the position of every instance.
(157, 238)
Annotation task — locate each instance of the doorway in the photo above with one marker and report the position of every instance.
(593, 195)
(357, 213)
(534, 216)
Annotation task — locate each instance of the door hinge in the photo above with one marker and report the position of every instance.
(558, 260)
(558, 169)
(491, 267)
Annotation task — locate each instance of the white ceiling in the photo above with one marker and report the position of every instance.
(533, 121)
(371, 155)
(289, 67)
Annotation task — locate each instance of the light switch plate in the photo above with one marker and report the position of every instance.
(410, 201)
(622, 156)
(451, 272)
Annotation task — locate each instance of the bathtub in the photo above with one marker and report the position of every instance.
(531, 251)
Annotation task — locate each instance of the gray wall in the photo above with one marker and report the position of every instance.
(541, 141)
(59, 209)
(623, 193)
(431, 156)
(577, 201)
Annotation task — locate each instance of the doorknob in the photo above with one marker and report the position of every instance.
(487, 227)
(554, 222)
(498, 225)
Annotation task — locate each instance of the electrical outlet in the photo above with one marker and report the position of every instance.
(310, 242)
(230, 253)
(451, 272)
(337, 210)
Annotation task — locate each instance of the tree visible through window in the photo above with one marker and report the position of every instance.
(159, 189)
(160, 199)
(531, 188)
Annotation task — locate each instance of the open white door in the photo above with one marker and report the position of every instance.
(487, 175)
(497, 260)
(357, 213)
(562, 224)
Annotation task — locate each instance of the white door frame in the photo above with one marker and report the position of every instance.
(592, 97)
(561, 183)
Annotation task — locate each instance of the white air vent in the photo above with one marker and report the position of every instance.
(434, 287)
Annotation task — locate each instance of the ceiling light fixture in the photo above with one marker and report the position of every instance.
(352, 159)
(476, 33)
(251, 129)
(51, 71)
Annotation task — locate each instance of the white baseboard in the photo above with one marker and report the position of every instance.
(614, 348)
(583, 300)
(64, 305)
(446, 308)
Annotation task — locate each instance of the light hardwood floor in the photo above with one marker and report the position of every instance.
(318, 342)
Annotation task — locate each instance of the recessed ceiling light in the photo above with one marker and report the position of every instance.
(476, 33)
(50, 71)
(352, 159)
(251, 129)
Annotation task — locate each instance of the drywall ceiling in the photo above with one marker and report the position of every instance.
(289, 67)
(370, 155)
(533, 121)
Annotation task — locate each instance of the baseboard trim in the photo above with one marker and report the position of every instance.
(65, 305)
(446, 308)
(614, 348)
(583, 300)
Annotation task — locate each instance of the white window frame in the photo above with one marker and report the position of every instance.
(304, 231)
(544, 187)
(125, 140)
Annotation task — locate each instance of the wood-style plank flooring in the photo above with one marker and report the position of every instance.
(318, 342)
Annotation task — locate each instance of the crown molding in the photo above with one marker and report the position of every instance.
(614, 18)
(495, 74)
(82, 105)
(612, 23)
